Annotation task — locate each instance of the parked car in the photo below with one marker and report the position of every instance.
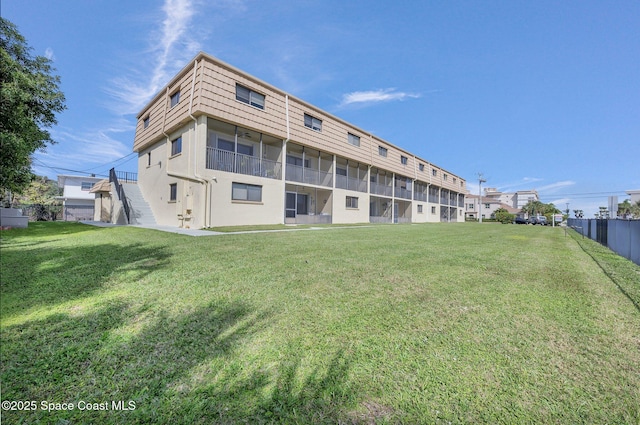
(541, 220)
(520, 220)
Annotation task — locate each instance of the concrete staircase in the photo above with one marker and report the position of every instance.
(141, 213)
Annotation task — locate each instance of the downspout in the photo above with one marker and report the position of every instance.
(195, 178)
(284, 154)
(207, 218)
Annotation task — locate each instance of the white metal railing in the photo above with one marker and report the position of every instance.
(222, 160)
(381, 189)
(402, 193)
(300, 174)
(350, 183)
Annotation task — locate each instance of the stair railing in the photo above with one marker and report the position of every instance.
(113, 178)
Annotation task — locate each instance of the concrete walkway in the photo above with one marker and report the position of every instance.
(178, 230)
(198, 232)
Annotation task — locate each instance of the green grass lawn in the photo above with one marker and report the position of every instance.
(434, 323)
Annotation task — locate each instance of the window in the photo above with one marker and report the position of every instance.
(403, 159)
(352, 202)
(487, 206)
(312, 123)
(86, 185)
(433, 210)
(176, 146)
(145, 122)
(175, 98)
(421, 167)
(419, 209)
(382, 151)
(246, 192)
(341, 171)
(249, 97)
(444, 176)
(353, 139)
(455, 180)
(470, 206)
(434, 172)
(173, 192)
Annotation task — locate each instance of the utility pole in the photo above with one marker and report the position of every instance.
(480, 181)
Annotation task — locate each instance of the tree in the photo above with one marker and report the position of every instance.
(624, 209)
(504, 216)
(535, 208)
(29, 100)
(41, 195)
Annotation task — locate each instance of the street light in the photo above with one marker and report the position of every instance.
(480, 181)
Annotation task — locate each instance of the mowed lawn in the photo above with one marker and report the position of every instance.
(434, 323)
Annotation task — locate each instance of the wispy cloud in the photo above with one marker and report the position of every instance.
(554, 187)
(48, 53)
(176, 45)
(524, 183)
(375, 96)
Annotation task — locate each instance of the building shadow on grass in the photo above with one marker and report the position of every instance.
(116, 353)
(175, 369)
(45, 276)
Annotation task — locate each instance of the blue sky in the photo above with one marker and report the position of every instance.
(538, 95)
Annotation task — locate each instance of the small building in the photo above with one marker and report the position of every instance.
(78, 203)
(102, 204)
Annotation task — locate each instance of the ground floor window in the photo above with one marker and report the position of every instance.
(246, 192)
(420, 209)
(352, 202)
(173, 192)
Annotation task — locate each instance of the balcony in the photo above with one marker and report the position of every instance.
(350, 183)
(296, 173)
(420, 196)
(401, 192)
(223, 160)
(381, 189)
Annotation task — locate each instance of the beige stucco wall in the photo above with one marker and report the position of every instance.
(342, 214)
(102, 207)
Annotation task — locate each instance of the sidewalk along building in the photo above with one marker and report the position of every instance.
(219, 147)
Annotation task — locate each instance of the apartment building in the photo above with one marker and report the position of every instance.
(493, 199)
(219, 147)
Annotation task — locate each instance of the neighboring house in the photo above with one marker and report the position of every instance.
(77, 199)
(492, 199)
(219, 147)
(489, 207)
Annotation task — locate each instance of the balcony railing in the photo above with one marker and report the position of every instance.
(306, 175)
(381, 189)
(349, 183)
(420, 196)
(113, 178)
(402, 193)
(222, 160)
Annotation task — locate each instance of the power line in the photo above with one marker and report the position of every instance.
(113, 162)
(586, 195)
(66, 169)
